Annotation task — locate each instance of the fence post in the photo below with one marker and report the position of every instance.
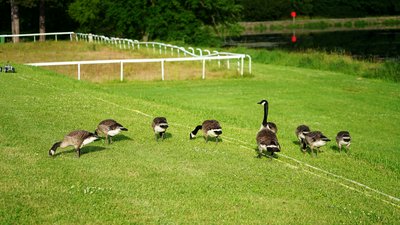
(241, 66)
(162, 69)
(122, 71)
(249, 63)
(79, 71)
(204, 69)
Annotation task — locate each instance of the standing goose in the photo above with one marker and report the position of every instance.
(159, 125)
(270, 125)
(343, 138)
(211, 128)
(300, 131)
(314, 139)
(77, 138)
(267, 141)
(109, 128)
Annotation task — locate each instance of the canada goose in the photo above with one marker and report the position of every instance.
(343, 138)
(159, 125)
(267, 141)
(270, 125)
(314, 139)
(300, 131)
(210, 128)
(109, 128)
(77, 138)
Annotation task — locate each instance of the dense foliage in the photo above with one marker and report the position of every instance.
(177, 20)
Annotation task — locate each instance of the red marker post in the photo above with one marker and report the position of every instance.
(294, 38)
(293, 14)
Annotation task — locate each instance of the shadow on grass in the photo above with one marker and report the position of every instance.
(265, 154)
(336, 149)
(166, 136)
(119, 137)
(84, 150)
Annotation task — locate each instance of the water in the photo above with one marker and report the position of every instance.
(367, 44)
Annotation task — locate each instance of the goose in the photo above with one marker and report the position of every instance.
(211, 128)
(314, 139)
(77, 138)
(300, 131)
(343, 138)
(109, 128)
(270, 125)
(267, 141)
(159, 125)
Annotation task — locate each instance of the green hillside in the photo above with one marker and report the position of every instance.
(182, 181)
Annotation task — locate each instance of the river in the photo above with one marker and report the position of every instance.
(366, 44)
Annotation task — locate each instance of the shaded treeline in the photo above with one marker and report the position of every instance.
(194, 21)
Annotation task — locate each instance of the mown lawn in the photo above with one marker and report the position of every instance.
(182, 181)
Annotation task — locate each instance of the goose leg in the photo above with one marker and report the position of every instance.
(78, 152)
(259, 152)
(162, 136)
(206, 138)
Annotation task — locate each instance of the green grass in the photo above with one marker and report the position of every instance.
(335, 62)
(182, 181)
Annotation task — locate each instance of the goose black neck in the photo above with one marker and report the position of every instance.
(196, 129)
(264, 122)
(55, 146)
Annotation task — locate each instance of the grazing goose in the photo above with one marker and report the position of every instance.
(343, 138)
(315, 139)
(77, 138)
(211, 128)
(270, 125)
(159, 125)
(267, 141)
(109, 128)
(300, 131)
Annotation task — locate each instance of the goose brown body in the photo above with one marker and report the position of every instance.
(343, 138)
(77, 139)
(210, 128)
(300, 132)
(159, 125)
(315, 139)
(109, 128)
(267, 142)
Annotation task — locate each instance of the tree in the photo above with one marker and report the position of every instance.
(42, 19)
(182, 20)
(14, 19)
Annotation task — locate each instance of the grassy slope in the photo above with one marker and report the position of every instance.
(137, 180)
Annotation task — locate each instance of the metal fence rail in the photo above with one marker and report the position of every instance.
(55, 34)
(177, 54)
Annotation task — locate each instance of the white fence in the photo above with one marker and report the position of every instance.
(55, 34)
(178, 54)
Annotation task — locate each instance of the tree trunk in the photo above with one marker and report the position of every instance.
(42, 20)
(14, 20)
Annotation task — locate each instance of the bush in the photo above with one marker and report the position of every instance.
(360, 24)
(318, 25)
